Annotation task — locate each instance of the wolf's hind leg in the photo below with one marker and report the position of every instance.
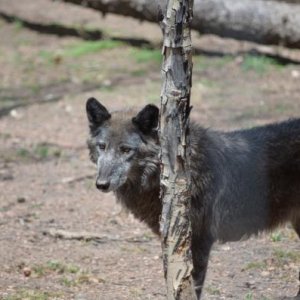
(296, 225)
(201, 246)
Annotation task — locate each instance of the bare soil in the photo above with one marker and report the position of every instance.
(46, 179)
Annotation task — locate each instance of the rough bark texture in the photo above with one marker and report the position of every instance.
(253, 20)
(175, 176)
(265, 22)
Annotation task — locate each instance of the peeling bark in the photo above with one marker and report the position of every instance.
(175, 175)
(264, 22)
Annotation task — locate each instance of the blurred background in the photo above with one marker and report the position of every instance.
(62, 239)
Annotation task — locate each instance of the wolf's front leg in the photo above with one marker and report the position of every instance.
(296, 225)
(201, 245)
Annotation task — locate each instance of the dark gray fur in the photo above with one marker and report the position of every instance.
(243, 182)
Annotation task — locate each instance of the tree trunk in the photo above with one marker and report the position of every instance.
(175, 176)
(264, 22)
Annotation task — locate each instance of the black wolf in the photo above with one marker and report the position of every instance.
(243, 182)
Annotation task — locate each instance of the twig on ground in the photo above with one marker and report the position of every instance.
(77, 179)
(90, 236)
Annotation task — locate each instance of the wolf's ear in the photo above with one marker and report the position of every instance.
(147, 119)
(96, 113)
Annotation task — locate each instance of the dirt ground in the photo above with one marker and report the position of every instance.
(47, 181)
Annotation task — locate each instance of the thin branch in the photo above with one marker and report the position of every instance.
(91, 236)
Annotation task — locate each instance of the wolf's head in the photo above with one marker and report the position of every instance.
(124, 146)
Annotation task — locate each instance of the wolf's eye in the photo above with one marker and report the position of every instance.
(125, 149)
(101, 146)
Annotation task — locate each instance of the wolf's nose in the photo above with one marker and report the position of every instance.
(102, 185)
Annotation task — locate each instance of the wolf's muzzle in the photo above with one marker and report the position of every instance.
(102, 185)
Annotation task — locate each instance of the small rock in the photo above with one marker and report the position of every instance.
(93, 280)
(107, 83)
(49, 97)
(21, 265)
(225, 248)
(68, 108)
(15, 114)
(80, 297)
(27, 272)
(21, 200)
(265, 273)
(295, 74)
(250, 284)
(6, 177)
(239, 59)
(57, 59)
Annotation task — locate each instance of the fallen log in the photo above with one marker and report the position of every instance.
(264, 22)
(287, 1)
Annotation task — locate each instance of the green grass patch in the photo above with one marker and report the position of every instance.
(259, 64)
(279, 259)
(79, 49)
(31, 295)
(153, 98)
(276, 236)
(283, 256)
(255, 265)
(146, 55)
(138, 73)
(46, 55)
(208, 83)
(223, 61)
(282, 107)
(82, 278)
(202, 62)
(4, 136)
(35, 88)
(18, 24)
(67, 282)
(40, 152)
(39, 270)
(88, 47)
(212, 290)
(54, 266)
(69, 275)
(23, 153)
(249, 296)
(43, 151)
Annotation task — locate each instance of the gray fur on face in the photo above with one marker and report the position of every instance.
(123, 155)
